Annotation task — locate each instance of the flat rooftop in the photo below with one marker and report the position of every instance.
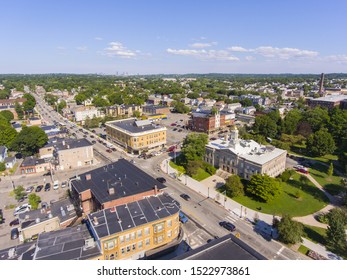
(66, 244)
(123, 176)
(67, 143)
(135, 126)
(228, 247)
(131, 215)
(248, 150)
(331, 98)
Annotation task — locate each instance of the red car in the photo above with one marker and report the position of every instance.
(302, 170)
(173, 124)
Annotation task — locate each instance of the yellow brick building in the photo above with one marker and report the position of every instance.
(135, 135)
(136, 230)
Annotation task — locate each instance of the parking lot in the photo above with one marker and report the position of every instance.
(176, 133)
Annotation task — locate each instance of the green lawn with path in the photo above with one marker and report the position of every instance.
(310, 200)
(331, 184)
(199, 176)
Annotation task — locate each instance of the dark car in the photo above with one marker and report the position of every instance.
(91, 136)
(227, 225)
(161, 180)
(14, 233)
(39, 188)
(109, 150)
(47, 187)
(185, 196)
(14, 222)
(47, 173)
(174, 129)
(179, 130)
(94, 142)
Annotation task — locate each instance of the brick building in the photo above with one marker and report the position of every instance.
(205, 121)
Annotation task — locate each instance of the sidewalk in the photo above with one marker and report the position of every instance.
(208, 190)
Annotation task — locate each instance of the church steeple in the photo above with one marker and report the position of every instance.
(234, 137)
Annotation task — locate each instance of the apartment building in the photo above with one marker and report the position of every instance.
(245, 157)
(69, 153)
(329, 101)
(123, 110)
(137, 229)
(207, 122)
(81, 113)
(153, 110)
(136, 136)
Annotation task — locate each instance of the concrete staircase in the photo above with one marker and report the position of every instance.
(223, 174)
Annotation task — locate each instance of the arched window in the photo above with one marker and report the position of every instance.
(112, 257)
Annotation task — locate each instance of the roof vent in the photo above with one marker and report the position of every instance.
(88, 243)
(37, 220)
(88, 176)
(12, 253)
(111, 191)
(95, 221)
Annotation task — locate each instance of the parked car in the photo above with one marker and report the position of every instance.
(161, 180)
(14, 222)
(39, 188)
(56, 185)
(227, 225)
(47, 187)
(29, 189)
(185, 196)
(22, 209)
(14, 233)
(109, 150)
(183, 218)
(63, 184)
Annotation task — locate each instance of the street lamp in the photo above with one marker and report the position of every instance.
(225, 197)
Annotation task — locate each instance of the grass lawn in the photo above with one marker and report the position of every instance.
(315, 234)
(199, 176)
(299, 150)
(310, 200)
(303, 250)
(331, 184)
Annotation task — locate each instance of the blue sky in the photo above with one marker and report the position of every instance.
(157, 36)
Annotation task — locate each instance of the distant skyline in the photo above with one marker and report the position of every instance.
(173, 37)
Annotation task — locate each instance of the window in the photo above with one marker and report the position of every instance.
(148, 241)
(139, 233)
(108, 245)
(127, 237)
(169, 234)
(169, 223)
(139, 244)
(121, 239)
(128, 249)
(158, 228)
(123, 250)
(133, 247)
(112, 257)
(147, 231)
(133, 236)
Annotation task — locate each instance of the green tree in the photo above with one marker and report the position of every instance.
(264, 187)
(246, 102)
(181, 108)
(265, 126)
(136, 114)
(285, 176)
(30, 103)
(193, 147)
(34, 201)
(2, 166)
(291, 121)
(234, 186)
(320, 143)
(7, 132)
(19, 192)
(19, 110)
(61, 105)
(192, 167)
(317, 118)
(330, 169)
(290, 231)
(29, 140)
(336, 234)
(7, 114)
(80, 98)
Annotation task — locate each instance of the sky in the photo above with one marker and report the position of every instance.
(173, 37)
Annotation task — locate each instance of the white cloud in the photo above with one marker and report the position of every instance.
(98, 38)
(203, 45)
(117, 49)
(237, 49)
(81, 49)
(250, 58)
(204, 54)
(284, 53)
(339, 58)
(61, 48)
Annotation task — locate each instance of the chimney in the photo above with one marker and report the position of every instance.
(111, 191)
(63, 142)
(88, 177)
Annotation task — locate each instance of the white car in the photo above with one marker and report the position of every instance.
(63, 184)
(22, 209)
(55, 185)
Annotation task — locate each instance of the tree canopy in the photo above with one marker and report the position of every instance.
(234, 186)
(264, 187)
(290, 231)
(320, 143)
(193, 147)
(29, 140)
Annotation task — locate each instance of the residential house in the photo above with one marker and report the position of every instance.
(32, 165)
(3, 153)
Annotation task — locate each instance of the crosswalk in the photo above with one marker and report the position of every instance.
(231, 218)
